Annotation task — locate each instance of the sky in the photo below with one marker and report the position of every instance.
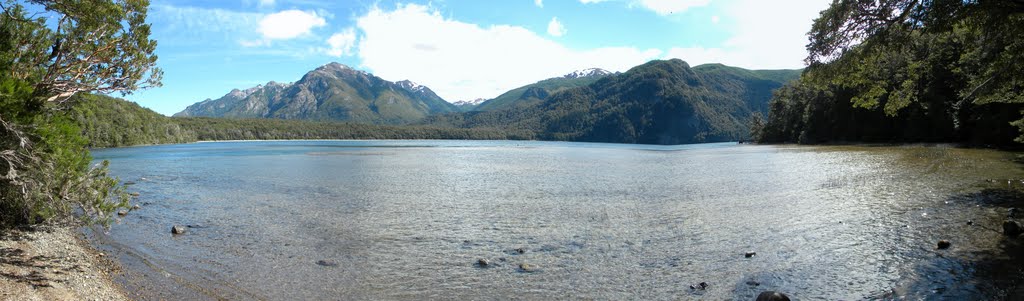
(461, 49)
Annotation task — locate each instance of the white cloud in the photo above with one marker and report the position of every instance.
(715, 19)
(539, 3)
(342, 43)
(555, 28)
(661, 7)
(666, 7)
(289, 24)
(463, 61)
(765, 36)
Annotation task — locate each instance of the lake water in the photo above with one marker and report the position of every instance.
(348, 220)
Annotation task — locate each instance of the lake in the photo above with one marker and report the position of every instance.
(342, 220)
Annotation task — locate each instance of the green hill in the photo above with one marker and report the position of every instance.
(661, 102)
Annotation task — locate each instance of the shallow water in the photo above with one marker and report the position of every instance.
(410, 219)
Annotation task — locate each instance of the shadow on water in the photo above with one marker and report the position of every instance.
(989, 267)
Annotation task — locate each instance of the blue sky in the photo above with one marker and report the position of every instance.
(461, 49)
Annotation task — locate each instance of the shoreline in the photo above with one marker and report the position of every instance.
(55, 263)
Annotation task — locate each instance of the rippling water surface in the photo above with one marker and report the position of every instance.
(410, 220)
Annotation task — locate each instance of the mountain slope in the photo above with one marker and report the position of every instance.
(537, 92)
(660, 102)
(331, 92)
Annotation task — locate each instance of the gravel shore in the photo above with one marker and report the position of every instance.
(52, 263)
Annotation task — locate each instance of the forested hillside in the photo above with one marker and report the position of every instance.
(908, 71)
(111, 122)
(661, 102)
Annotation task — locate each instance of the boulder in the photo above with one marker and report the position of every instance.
(943, 244)
(177, 229)
(772, 296)
(1012, 212)
(699, 286)
(749, 254)
(1012, 228)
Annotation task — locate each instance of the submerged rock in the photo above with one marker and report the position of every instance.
(772, 296)
(943, 244)
(134, 194)
(1012, 228)
(527, 268)
(699, 286)
(483, 263)
(327, 263)
(177, 229)
(122, 212)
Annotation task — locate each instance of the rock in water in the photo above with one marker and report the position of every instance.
(944, 244)
(527, 268)
(772, 296)
(1012, 212)
(483, 263)
(136, 207)
(122, 212)
(1012, 228)
(177, 230)
(327, 263)
(749, 254)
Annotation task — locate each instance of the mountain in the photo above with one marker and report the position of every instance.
(535, 93)
(468, 105)
(333, 92)
(660, 102)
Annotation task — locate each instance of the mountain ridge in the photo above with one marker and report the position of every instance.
(330, 92)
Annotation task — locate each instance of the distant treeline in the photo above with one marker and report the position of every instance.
(111, 122)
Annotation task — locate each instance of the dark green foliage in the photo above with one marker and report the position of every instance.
(535, 93)
(111, 122)
(908, 71)
(90, 46)
(273, 129)
(661, 102)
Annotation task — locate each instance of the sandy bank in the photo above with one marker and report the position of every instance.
(53, 264)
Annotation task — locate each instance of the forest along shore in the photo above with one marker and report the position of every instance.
(54, 263)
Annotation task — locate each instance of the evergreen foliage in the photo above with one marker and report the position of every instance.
(908, 71)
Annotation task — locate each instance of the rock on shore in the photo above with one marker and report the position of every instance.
(53, 264)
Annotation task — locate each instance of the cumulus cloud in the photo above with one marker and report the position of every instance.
(466, 61)
(555, 28)
(342, 43)
(765, 35)
(539, 3)
(289, 24)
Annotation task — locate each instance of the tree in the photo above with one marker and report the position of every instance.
(100, 46)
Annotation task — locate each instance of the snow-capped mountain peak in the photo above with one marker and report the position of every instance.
(469, 102)
(411, 86)
(587, 73)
